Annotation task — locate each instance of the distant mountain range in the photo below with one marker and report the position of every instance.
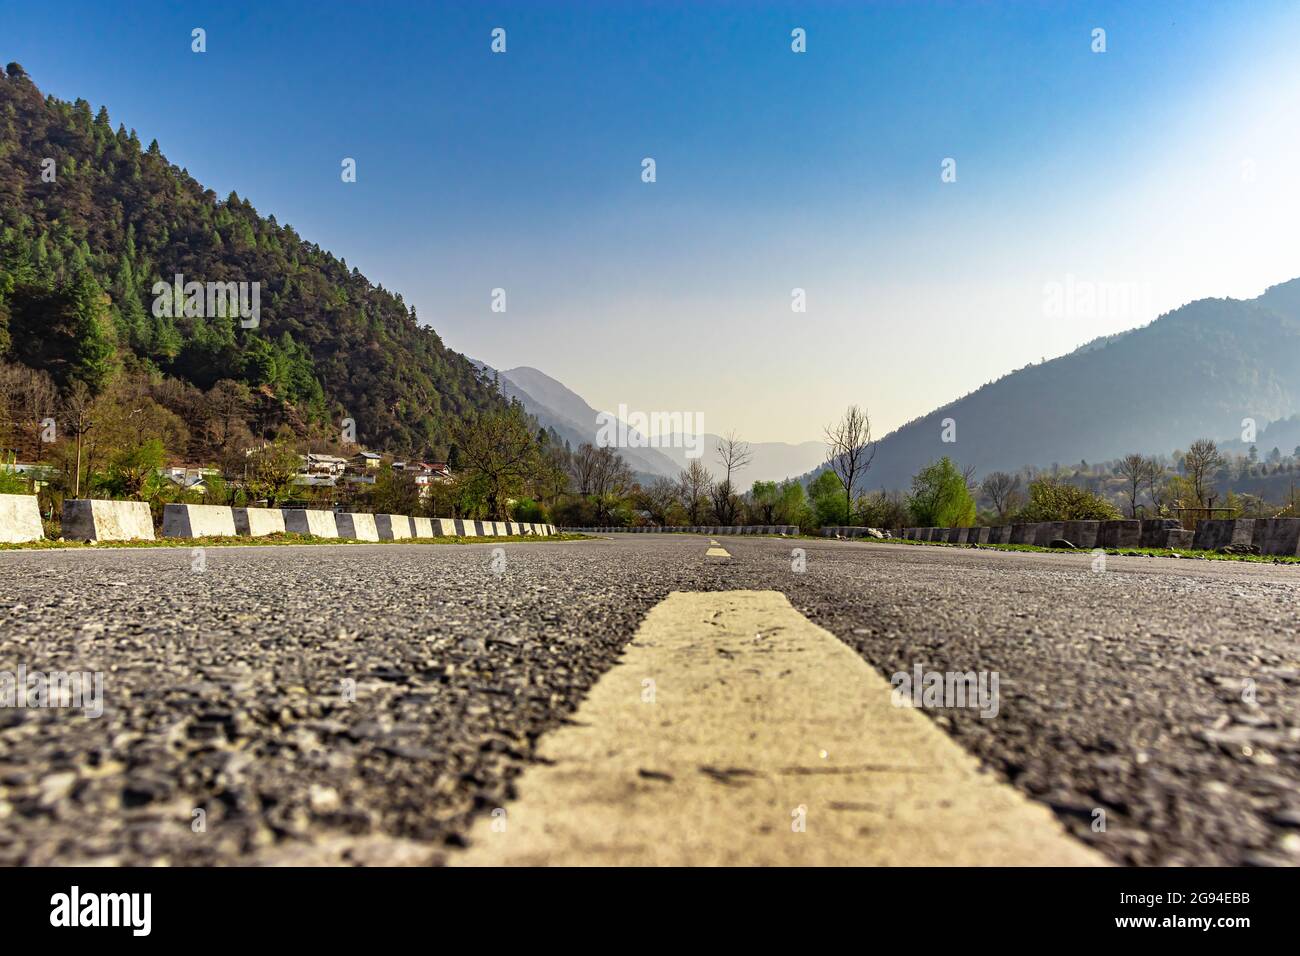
(557, 406)
(1196, 372)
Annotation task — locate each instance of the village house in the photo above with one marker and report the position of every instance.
(190, 477)
(426, 473)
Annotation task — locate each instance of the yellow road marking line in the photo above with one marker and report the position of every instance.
(735, 731)
(717, 553)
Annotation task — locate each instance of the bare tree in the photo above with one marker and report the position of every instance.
(78, 408)
(1155, 478)
(850, 451)
(1201, 460)
(733, 454)
(583, 466)
(726, 503)
(657, 497)
(228, 404)
(693, 487)
(556, 471)
(35, 399)
(612, 473)
(1133, 469)
(1001, 489)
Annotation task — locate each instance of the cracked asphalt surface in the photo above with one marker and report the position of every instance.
(362, 704)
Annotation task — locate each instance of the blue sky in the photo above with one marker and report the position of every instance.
(1163, 167)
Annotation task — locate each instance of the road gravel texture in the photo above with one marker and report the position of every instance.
(363, 704)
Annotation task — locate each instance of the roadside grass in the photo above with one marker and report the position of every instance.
(1127, 552)
(273, 540)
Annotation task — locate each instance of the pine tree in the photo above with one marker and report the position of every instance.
(94, 358)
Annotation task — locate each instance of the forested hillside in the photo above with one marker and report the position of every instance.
(84, 238)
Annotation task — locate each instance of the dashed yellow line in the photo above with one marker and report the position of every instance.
(735, 731)
(717, 553)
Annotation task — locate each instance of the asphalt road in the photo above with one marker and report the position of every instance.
(1162, 692)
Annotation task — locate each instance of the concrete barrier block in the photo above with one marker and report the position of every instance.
(1082, 534)
(1178, 538)
(978, 535)
(359, 527)
(1023, 533)
(500, 528)
(1224, 532)
(393, 527)
(1045, 532)
(20, 519)
(1154, 531)
(258, 522)
(421, 527)
(89, 519)
(1278, 536)
(198, 521)
(318, 524)
(487, 529)
(1120, 534)
(446, 527)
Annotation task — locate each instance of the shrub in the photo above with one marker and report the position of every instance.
(940, 498)
(1053, 500)
(530, 512)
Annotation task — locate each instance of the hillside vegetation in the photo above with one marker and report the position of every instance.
(91, 219)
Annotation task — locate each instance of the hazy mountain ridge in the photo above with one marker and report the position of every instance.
(574, 421)
(557, 406)
(1195, 372)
